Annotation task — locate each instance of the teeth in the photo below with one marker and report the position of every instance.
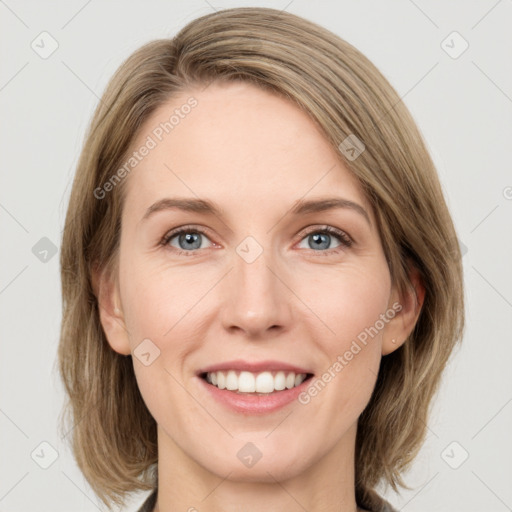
(248, 382)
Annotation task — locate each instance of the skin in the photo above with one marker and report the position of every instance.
(254, 154)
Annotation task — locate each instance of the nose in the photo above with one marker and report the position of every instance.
(256, 300)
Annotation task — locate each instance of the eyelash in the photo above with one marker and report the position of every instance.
(342, 237)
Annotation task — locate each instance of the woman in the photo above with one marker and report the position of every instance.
(262, 283)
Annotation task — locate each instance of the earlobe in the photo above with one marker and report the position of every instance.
(110, 311)
(410, 305)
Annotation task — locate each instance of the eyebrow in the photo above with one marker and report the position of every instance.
(300, 207)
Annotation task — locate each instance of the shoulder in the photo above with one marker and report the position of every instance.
(373, 502)
(150, 502)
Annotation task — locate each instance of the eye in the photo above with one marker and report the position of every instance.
(185, 240)
(320, 240)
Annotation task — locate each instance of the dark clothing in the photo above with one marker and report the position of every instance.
(377, 504)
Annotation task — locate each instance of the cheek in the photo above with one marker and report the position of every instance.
(159, 306)
(348, 301)
(155, 299)
(164, 306)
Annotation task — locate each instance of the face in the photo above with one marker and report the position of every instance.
(267, 278)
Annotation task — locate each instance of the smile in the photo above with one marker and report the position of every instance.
(263, 383)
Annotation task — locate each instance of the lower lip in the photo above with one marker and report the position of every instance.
(254, 404)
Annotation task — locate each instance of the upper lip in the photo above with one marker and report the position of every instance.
(254, 367)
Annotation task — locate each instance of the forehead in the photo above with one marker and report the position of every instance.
(239, 145)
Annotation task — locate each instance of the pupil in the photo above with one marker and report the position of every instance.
(190, 240)
(321, 240)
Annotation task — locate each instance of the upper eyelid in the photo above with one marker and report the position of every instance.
(187, 228)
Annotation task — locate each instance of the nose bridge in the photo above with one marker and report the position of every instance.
(257, 300)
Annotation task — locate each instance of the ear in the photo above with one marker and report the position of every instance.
(407, 307)
(105, 286)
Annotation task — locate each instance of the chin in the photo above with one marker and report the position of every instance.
(260, 472)
(266, 469)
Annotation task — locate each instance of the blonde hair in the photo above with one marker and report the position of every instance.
(113, 434)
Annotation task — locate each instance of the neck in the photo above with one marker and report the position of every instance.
(326, 485)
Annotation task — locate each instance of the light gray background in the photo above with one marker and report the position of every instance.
(463, 107)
